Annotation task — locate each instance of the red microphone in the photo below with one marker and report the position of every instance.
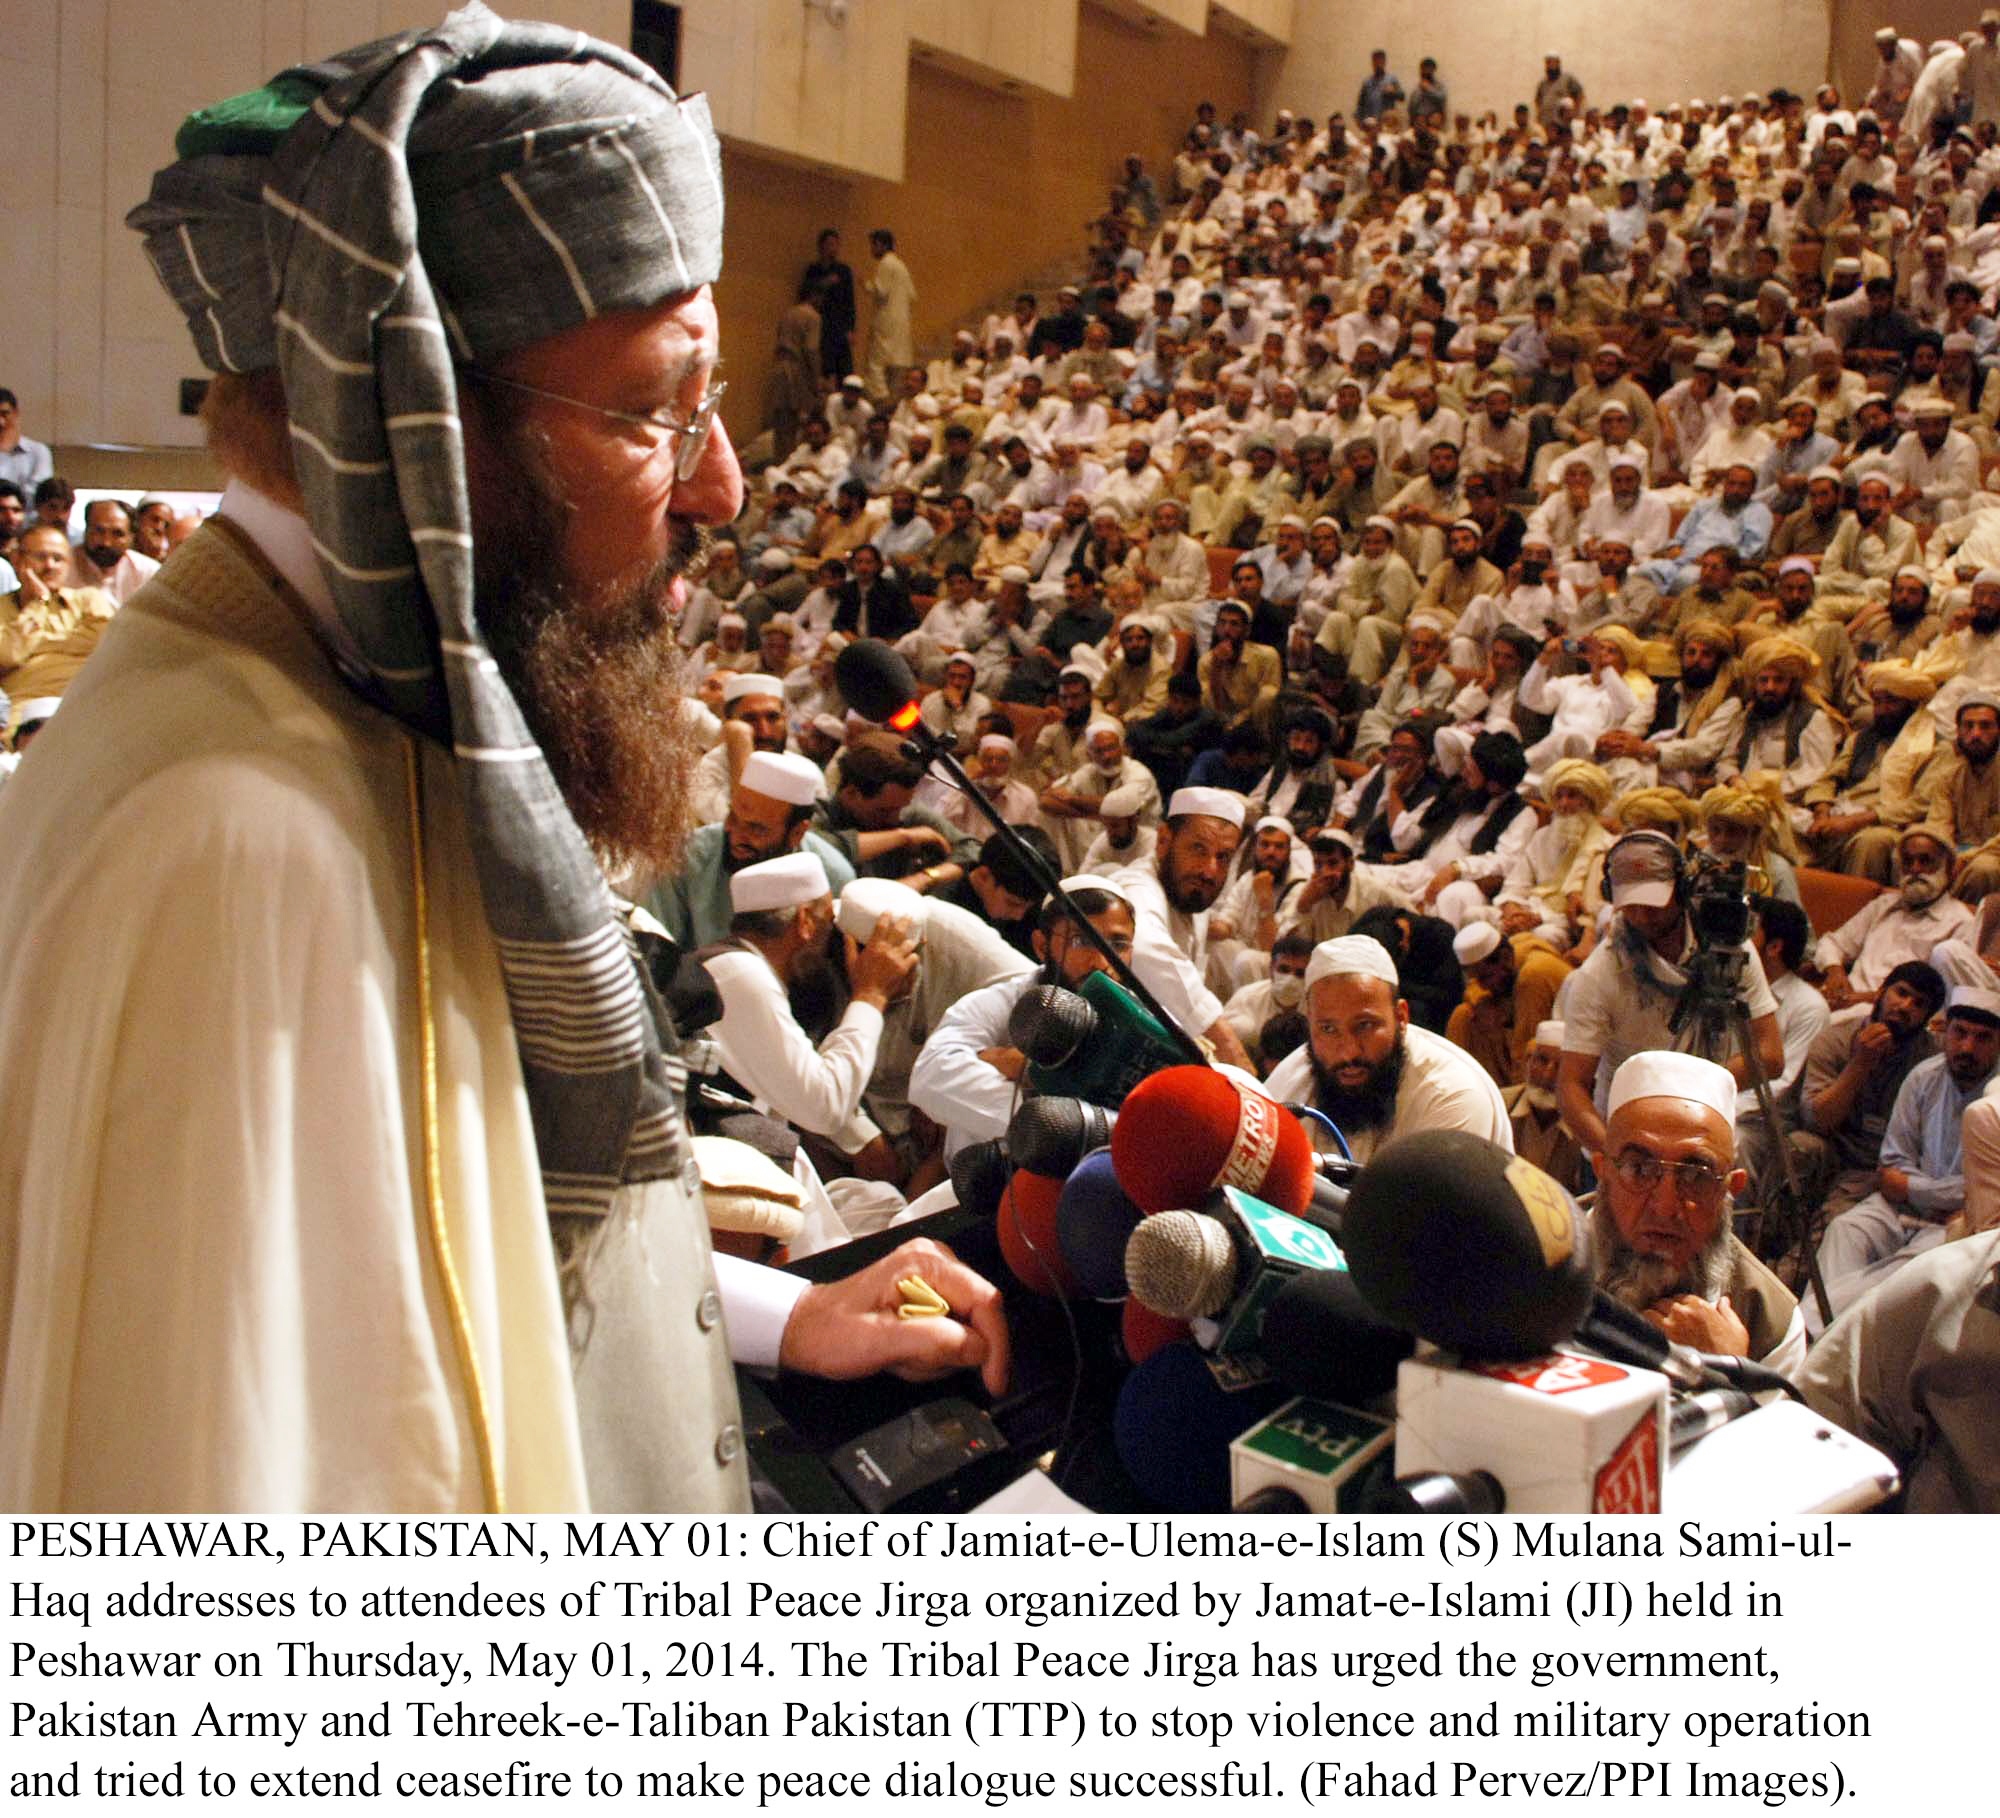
(1030, 1238)
(1188, 1130)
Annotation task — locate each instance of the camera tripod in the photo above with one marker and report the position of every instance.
(1713, 1005)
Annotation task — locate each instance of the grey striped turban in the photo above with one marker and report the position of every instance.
(462, 190)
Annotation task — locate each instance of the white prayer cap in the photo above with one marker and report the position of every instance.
(1973, 1000)
(1707, 361)
(865, 901)
(1126, 799)
(1825, 473)
(42, 707)
(1087, 880)
(779, 883)
(1886, 35)
(1935, 243)
(1351, 956)
(1613, 407)
(1291, 521)
(1102, 723)
(1333, 836)
(773, 561)
(1274, 823)
(1077, 670)
(784, 777)
(1379, 522)
(1219, 804)
(1661, 1074)
(1747, 393)
(1476, 941)
(1846, 263)
(1471, 524)
(1959, 342)
(827, 726)
(1548, 1035)
(732, 618)
(1910, 568)
(1634, 458)
(1239, 299)
(1796, 565)
(741, 684)
(1000, 742)
(1931, 407)
(1499, 387)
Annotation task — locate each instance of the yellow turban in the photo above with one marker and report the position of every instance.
(1580, 774)
(1625, 643)
(1664, 810)
(1783, 653)
(1903, 679)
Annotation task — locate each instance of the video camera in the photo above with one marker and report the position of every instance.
(1718, 900)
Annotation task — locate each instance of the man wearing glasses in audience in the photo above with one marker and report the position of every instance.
(1660, 1227)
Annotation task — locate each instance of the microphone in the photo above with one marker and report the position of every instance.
(1185, 1131)
(1096, 1042)
(1093, 1221)
(1454, 1239)
(1175, 1418)
(1224, 1263)
(1051, 1135)
(878, 684)
(979, 1174)
(1625, 1335)
(1323, 1340)
(1142, 1333)
(1026, 1226)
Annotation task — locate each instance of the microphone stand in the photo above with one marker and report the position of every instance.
(932, 748)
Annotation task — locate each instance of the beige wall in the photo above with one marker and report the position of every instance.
(996, 185)
(1490, 55)
(1854, 25)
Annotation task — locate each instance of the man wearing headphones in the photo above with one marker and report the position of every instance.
(1622, 999)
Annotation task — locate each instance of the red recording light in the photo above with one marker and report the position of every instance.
(904, 717)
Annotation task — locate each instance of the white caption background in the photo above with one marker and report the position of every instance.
(806, 1664)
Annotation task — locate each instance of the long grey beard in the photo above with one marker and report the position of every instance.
(1539, 1098)
(1637, 1281)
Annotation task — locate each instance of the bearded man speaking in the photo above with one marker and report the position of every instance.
(411, 1221)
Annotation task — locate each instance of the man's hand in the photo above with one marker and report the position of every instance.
(34, 589)
(847, 1329)
(1689, 1320)
(919, 839)
(1835, 987)
(1009, 1063)
(1873, 1044)
(1518, 918)
(1894, 1184)
(881, 971)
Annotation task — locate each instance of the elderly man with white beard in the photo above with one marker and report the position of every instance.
(1660, 1225)
(1073, 806)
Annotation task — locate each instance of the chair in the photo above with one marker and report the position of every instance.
(1220, 561)
(1831, 898)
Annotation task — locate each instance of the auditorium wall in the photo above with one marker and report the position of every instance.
(996, 185)
(1491, 56)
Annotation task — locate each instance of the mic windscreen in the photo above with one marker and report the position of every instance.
(1182, 1264)
(1027, 1230)
(1173, 1424)
(1142, 1332)
(1093, 1219)
(1458, 1241)
(1051, 1135)
(1322, 1339)
(1049, 1024)
(1185, 1131)
(979, 1174)
(874, 680)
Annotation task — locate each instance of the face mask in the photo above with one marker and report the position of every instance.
(1922, 890)
(1287, 988)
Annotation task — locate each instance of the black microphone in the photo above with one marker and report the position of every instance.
(1452, 1238)
(1627, 1336)
(979, 1175)
(878, 684)
(1051, 1135)
(1320, 1338)
(1049, 1023)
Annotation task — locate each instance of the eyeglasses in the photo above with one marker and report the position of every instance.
(1697, 1182)
(693, 427)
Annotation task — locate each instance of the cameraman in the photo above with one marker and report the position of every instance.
(1623, 998)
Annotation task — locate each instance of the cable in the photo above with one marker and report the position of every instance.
(1333, 1129)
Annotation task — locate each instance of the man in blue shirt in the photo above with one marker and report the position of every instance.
(1921, 1182)
(1734, 521)
(1380, 92)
